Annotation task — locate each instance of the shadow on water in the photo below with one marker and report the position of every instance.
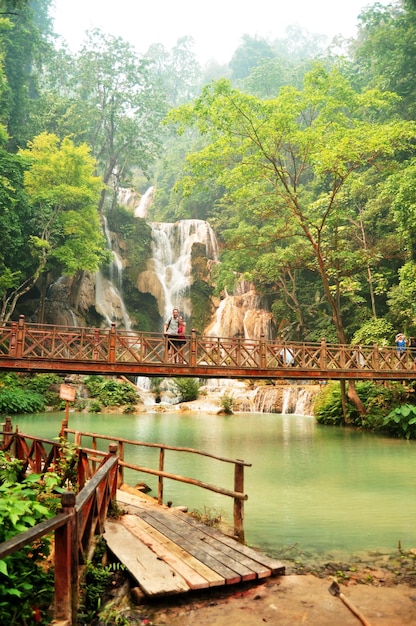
(324, 490)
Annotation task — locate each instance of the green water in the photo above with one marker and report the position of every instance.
(325, 490)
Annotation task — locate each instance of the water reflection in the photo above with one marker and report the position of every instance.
(319, 488)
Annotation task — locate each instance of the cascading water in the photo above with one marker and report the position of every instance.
(296, 401)
(145, 201)
(108, 292)
(168, 276)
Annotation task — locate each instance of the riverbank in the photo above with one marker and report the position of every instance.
(382, 596)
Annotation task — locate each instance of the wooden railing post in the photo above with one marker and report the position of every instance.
(20, 337)
(376, 357)
(7, 428)
(263, 362)
(13, 339)
(120, 465)
(323, 356)
(160, 480)
(66, 566)
(193, 348)
(239, 504)
(112, 345)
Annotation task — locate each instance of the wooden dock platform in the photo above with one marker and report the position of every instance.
(169, 552)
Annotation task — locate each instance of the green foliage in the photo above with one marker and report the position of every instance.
(401, 421)
(226, 403)
(27, 394)
(378, 331)
(20, 401)
(377, 400)
(186, 388)
(327, 407)
(110, 392)
(95, 407)
(97, 584)
(25, 585)
(276, 223)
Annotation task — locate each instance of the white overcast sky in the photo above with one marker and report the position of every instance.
(216, 25)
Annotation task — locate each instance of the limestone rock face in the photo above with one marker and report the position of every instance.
(241, 315)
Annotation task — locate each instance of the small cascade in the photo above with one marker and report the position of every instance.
(240, 314)
(267, 400)
(116, 265)
(108, 292)
(109, 302)
(145, 201)
(168, 275)
(297, 400)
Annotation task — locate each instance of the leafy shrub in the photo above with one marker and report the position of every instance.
(401, 421)
(327, 407)
(110, 392)
(26, 587)
(20, 401)
(95, 407)
(376, 398)
(27, 393)
(226, 403)
(187, 389)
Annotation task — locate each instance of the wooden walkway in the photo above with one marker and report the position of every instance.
(169, 552)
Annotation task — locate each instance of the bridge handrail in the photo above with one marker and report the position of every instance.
(237, 493)
(44, 347)
(75, 528)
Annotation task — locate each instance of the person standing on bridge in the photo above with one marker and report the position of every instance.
(171, 330)
(401, 342)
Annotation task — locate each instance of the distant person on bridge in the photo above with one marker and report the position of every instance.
(401, 342)
(171, 330)
(181, 339)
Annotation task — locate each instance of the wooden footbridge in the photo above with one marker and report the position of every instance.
(110, 351)
(169, 552)
(165, 550)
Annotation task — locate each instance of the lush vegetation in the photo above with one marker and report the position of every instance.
(299, 153)
(109, 392)
(389, 408)
(28, 394)
(187, 389)
(26, 576)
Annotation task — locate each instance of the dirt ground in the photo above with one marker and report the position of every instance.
(287, 601)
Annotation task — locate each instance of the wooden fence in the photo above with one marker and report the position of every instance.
(80, 521)
(237, 493)
(99, 474)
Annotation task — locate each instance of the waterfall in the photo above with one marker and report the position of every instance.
(240, 314)
(168, 276)
(296, 400)
(145, 201)
(108, 292)
(116, 265)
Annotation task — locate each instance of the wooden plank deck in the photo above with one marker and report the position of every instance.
(169, 552)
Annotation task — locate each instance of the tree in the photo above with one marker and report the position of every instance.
(115, 108)
(65, 233)
(285, 162)
(24, 41)
(251, 52)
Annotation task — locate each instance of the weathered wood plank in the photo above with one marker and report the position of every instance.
(193, 540)
(155, 577)
(276, 567)
(167, 551)
(188, 543)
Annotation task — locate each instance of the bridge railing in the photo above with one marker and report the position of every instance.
(82, 517)
(237, 493)
(22, 340)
